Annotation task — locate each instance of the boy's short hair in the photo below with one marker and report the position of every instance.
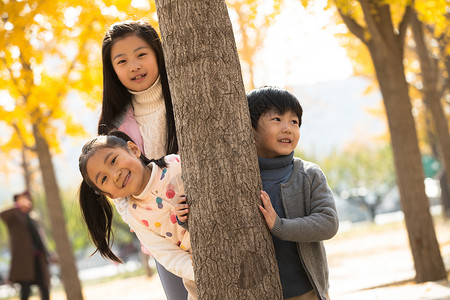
(270, 98)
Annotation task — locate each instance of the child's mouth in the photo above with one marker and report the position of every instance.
(284, 141)
(139, 77)
(126, 179)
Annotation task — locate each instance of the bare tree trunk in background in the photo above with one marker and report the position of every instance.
(144, 260)
(432, 97)
(232, 248)
(26, 169)
(445, 194)
(69, 272)
(386, 49)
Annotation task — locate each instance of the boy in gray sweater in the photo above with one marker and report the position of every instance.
(297, 203)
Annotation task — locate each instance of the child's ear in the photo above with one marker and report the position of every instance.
(134, 149)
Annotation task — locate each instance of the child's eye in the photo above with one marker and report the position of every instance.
(142, 54)
(122, 61)
(113, 161)
(276, 119)
(103, 179)
(295, 122)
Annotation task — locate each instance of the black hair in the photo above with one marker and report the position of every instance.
(116, 96)
(25, 193)
(96, 209)
(269, 98)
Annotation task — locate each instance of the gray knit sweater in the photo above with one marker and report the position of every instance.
(310, 218)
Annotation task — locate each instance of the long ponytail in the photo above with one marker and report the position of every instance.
(97, 212)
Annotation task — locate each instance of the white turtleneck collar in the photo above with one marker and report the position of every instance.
(149, 100)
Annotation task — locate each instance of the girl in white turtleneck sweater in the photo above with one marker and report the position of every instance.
(149, 112)
(136, 100)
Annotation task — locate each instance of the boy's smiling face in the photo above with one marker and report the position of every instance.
(277, 134)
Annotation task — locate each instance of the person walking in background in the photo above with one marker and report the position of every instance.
(29, 256)
(136, 100)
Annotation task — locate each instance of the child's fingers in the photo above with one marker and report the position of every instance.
(182, 199)
(265, 215)
(265, 199)
(179, 210)
(267, 211)
(263, 210)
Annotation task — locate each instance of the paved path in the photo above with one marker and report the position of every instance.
(376, 263)
(364, 264)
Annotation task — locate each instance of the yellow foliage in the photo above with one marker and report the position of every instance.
(432, 11)
(49, 49)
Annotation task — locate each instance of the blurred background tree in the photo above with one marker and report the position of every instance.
(382, 27)
(251, 19)
(50, 50)
(50, 55)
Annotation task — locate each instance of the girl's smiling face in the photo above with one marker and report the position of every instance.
(134, 62)
(118, 172)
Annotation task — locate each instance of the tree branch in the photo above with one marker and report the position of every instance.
(403, 26)
(372, 25)
(13, 79)
(353, 26)
(444, 88)
(19, 134)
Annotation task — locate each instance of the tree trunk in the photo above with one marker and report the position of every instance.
(67, 264)
(388, 62)
(232, 248)
(410, 177)
(445, 195)
(386, 49)
(26, 169)
(144, 260)
(431, 93)
(441, 175)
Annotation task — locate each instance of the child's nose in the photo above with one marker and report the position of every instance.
(286, 128)
(135, 66)
(117, 176)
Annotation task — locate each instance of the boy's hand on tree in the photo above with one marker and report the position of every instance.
(182, 209)
(267, 210)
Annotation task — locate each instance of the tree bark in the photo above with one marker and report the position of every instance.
(432, 99)
(67, 264)
(232, 248)
(26, 169)
(386, 49)
(445, 195)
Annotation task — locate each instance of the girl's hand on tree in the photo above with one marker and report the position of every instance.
(267, 210)
(182, 209)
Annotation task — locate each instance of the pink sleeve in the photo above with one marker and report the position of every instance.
(131, 127)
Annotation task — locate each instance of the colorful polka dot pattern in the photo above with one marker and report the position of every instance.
(157, 213)
(163, 174)
(159, 202)
(170, 193)
(173, 218)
